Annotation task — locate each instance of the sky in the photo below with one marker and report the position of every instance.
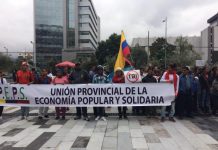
(134, 17)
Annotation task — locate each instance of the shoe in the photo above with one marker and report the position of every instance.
(120, 117)
(46, 116)
(77, 118)
(57, 118)
(162, 119)
(125, 117)
(172, 119)
(103, 118)
(180, 118)
(97, 118)
(27, 118)
(63, 118)
(40, 118)
(86, 118)
(22, 118)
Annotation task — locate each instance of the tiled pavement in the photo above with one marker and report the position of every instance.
(141, 133)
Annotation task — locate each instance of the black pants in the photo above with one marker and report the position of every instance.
(214, 99)
(1, 110)
(80, 111)
(122, 112)
(99, 111)
(184, 104)
(195, 102)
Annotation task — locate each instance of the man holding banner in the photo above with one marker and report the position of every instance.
(24, 76)
(100, 78)
(120, 78)
(170, 76)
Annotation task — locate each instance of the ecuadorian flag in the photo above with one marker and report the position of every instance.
(123, 53)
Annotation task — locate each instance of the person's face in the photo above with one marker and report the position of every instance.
(170, 69)
(185, 71)
(44, 72)
(24, 67)
(206, 70)
(119, 73)
(100, 71)
(142, 71)
(59, 74)
(77, 66)
(150, 72)
(66, 70)
(217, 73)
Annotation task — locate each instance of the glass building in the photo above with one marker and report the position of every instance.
(65, 30)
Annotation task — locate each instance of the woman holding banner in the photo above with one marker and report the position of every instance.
(120, 78)
(24, 76)
(2, 81)
(60, 79)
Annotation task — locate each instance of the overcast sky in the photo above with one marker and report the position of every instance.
(135, 17)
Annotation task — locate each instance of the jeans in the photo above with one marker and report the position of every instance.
(25, 111)
(84, 111)
(43, 111)
(215, 103)
(98, 111)
(122, 112)
(60, 111)
(205, 102)
(184, 104)
(172, 111)
(1, 110)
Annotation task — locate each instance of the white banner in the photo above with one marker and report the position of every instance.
(132, 76)
(138, 94)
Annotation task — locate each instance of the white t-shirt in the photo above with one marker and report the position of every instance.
(170, 79)
(3, 81)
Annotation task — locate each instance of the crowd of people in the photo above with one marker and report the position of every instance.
(196, 90)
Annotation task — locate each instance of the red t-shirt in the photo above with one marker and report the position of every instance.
(24, 77)
(117, 79)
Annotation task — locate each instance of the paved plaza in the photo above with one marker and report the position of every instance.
(137, 133)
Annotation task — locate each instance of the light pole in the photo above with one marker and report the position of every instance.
(165, 46)
(34, 54)
(6, 50)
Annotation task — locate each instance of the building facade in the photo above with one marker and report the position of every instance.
(209, 40)
(65, 30)
(195, 41)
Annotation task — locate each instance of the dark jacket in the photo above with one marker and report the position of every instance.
(204, 83)
(183, 87)
(149, 79)
(214, 89)
(79, 77)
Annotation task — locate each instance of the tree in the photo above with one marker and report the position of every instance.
(139, 56)
(108, 48)
(157, 51)
(184, 53)
(5, 62)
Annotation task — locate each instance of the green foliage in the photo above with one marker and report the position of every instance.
(185, 55)
(108, 48)
(139, 56)
(157, 51)
(6, 63)
(181, 54)
(89, 63)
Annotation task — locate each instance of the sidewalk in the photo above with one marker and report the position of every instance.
(135, 133)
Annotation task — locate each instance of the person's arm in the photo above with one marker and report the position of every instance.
(177, 85)
(162, 79)
(5, 81)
